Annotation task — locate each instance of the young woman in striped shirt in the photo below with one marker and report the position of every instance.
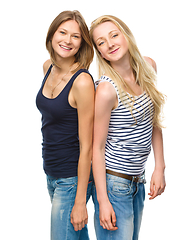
(127, 122)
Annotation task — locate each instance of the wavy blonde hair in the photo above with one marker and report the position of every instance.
(85, 54)
(144, 73)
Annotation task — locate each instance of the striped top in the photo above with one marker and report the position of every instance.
(129, 140)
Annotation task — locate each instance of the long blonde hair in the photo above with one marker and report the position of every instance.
(144, 73)
(85, 54)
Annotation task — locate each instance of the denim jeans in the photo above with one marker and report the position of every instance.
(62, 192)
(127, 198)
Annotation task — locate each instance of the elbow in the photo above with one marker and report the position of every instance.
(98, 152)
(86, 152)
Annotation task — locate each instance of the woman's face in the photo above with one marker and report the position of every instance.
(110, 42)
(67, 39)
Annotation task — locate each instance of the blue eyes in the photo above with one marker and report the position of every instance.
(100, 43)
(113, 36)
(74, 36)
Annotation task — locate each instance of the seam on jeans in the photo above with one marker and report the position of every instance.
(69, 221)
(69, 224)
(136, 190)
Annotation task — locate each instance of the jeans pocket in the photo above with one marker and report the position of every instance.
(121, 189)
(65, 185)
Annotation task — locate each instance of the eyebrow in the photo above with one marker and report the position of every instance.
(108, 34)
(67, 31)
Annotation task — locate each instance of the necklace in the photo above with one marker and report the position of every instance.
(53, 89)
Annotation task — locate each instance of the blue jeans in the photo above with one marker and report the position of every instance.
(62, 192)
(127, 198)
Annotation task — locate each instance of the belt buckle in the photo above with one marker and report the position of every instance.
(136, 179)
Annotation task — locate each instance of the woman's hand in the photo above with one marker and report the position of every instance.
(107, 216)
(157, 184)
(79, 216)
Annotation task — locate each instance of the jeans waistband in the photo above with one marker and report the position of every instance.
(138, 179)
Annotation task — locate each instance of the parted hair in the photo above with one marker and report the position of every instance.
(144, 73)
(85, 54)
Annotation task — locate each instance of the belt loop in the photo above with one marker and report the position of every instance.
(132, 181)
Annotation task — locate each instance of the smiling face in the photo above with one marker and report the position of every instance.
(66, 40)
(110, 42)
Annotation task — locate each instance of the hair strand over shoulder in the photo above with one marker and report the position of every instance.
(144, 73)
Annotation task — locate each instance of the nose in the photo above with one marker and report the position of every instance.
(67, 39)
(110, 43)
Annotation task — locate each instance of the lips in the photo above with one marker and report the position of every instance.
(66, 48)
(114, 51)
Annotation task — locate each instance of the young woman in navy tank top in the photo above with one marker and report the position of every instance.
(66, 102)
(127, 121)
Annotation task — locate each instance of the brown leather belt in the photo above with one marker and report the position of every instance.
(129, 177)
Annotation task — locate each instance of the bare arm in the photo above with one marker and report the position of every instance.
(105, 101)
(83, 92)
(157, 184)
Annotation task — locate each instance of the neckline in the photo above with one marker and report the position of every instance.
(135, 96)
(46, 76)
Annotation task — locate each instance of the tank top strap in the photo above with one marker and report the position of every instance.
(46, 75)
(76, 75)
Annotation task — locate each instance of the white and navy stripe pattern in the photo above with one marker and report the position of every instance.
(129, 142)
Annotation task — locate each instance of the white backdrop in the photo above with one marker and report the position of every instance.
(164, 32)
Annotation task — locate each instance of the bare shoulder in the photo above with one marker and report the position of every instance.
(106, 92)
(84, 80)
(83, 91)
(46, 66)
(151, 62)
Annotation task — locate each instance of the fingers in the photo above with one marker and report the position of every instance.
(155, 191)
(157, 184)
(151, 190)
(78, 225)
(79, 216)
(114, 219)
(153, 194)
(109, 223)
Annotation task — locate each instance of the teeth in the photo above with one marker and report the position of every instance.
(66, 48)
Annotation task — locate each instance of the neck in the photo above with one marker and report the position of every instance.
(65, 64)
(123, 67)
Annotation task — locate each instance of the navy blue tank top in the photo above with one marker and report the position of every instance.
(60, 147)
